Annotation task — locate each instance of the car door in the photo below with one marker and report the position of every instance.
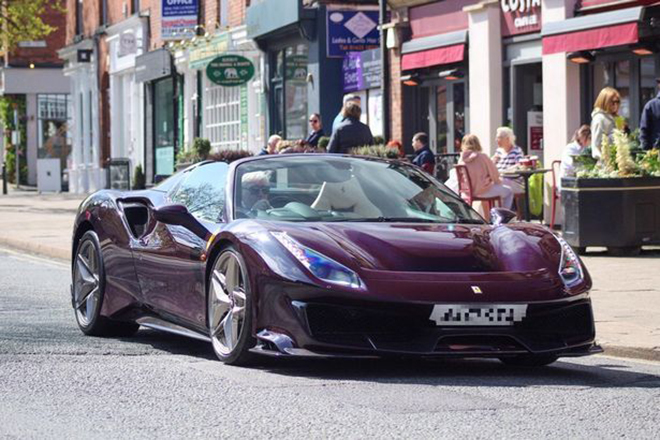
(168, 260)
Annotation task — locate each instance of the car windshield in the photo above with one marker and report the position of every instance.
(314, 188)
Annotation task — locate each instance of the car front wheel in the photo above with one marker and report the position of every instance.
(89, 291)
(230, 309)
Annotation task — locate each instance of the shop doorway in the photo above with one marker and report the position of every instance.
(525, 112)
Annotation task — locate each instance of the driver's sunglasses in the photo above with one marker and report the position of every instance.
(256, 190)
(313, 121)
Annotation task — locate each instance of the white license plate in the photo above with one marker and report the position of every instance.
(478, 314)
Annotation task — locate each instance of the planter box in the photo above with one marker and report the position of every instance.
(616, 213)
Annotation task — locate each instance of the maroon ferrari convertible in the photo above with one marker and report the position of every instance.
(326, 255)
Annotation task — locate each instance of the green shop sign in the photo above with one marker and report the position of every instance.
(230, 70)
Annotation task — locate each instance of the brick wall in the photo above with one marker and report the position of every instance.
(43, 56)
(210, 10)
(237, 10)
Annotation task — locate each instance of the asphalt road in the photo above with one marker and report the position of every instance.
(57, 383)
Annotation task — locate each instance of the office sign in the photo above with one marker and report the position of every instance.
(230, 70)
(178, 19)
(351, 31)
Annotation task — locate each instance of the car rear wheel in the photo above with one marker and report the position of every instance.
(529, 360)
(89, 291)
(230, 309)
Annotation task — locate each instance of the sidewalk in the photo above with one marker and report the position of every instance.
(626, 294)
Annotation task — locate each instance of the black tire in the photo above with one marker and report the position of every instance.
(88, 272)
(529, 360)
(225, 292)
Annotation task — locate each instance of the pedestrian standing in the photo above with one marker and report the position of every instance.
(316, 131)
(351, 133)
(606, 108)
(271, 147)
(340, 116)
(424, 157)
(649, 124)
(507, 156)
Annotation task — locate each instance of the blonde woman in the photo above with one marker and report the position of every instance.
(606, 108)
(485, 178)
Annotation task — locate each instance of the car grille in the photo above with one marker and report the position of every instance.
(407, 328)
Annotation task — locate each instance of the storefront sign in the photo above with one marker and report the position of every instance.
(521, 16)
(178, 19)
(153, 65)
(535, 132)
(127, 44)
(351, 31)
(230, 70)
(361, 70)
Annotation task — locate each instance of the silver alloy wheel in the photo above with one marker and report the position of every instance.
(226, 304)
(87, 285)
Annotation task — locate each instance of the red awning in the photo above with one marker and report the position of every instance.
(618, 35)
(433, 57)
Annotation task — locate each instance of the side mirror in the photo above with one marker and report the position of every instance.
(179, 215)
(501, 216)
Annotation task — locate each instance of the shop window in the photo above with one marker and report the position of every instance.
(441, 119)
(222, 117)
(647, 81)
(54, 114)
(459, 114)
(289, 92)
(622, 84)
(164, 126)
(79, 17)
(295, 90)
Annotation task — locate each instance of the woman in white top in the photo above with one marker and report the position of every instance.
(507, 156)
(606, 108)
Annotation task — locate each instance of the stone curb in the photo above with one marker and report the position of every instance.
(36, 248)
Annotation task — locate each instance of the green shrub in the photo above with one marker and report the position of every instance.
(323, 143)
(201, 148)
(139, 180)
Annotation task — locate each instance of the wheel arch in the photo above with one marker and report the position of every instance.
(83, 227)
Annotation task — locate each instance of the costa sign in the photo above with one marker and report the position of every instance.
(521, 16)
(519, 5)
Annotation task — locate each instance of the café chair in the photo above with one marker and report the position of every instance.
(466, 193)
(555, 191)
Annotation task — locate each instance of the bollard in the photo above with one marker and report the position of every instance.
(4, 178)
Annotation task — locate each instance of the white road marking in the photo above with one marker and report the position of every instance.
(33, 258)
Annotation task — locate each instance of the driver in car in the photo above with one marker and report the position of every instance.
(255, 189)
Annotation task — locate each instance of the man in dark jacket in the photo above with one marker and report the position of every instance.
(424, 157)
(351, 132)
(649, 124)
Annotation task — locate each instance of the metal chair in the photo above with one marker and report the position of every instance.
(555, 192)
(466, 193)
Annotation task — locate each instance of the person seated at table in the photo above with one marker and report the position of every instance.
(581, 139)
(507, 156)
(484, 177)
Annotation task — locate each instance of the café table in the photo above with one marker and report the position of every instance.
(525, 174)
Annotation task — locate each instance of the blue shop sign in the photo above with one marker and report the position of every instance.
(178, 19)
(351, 31)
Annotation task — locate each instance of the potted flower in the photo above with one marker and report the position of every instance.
(616, 202)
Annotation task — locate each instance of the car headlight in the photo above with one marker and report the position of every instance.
(570, 269)
(322, 267)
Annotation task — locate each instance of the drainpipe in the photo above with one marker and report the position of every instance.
(384, 75)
